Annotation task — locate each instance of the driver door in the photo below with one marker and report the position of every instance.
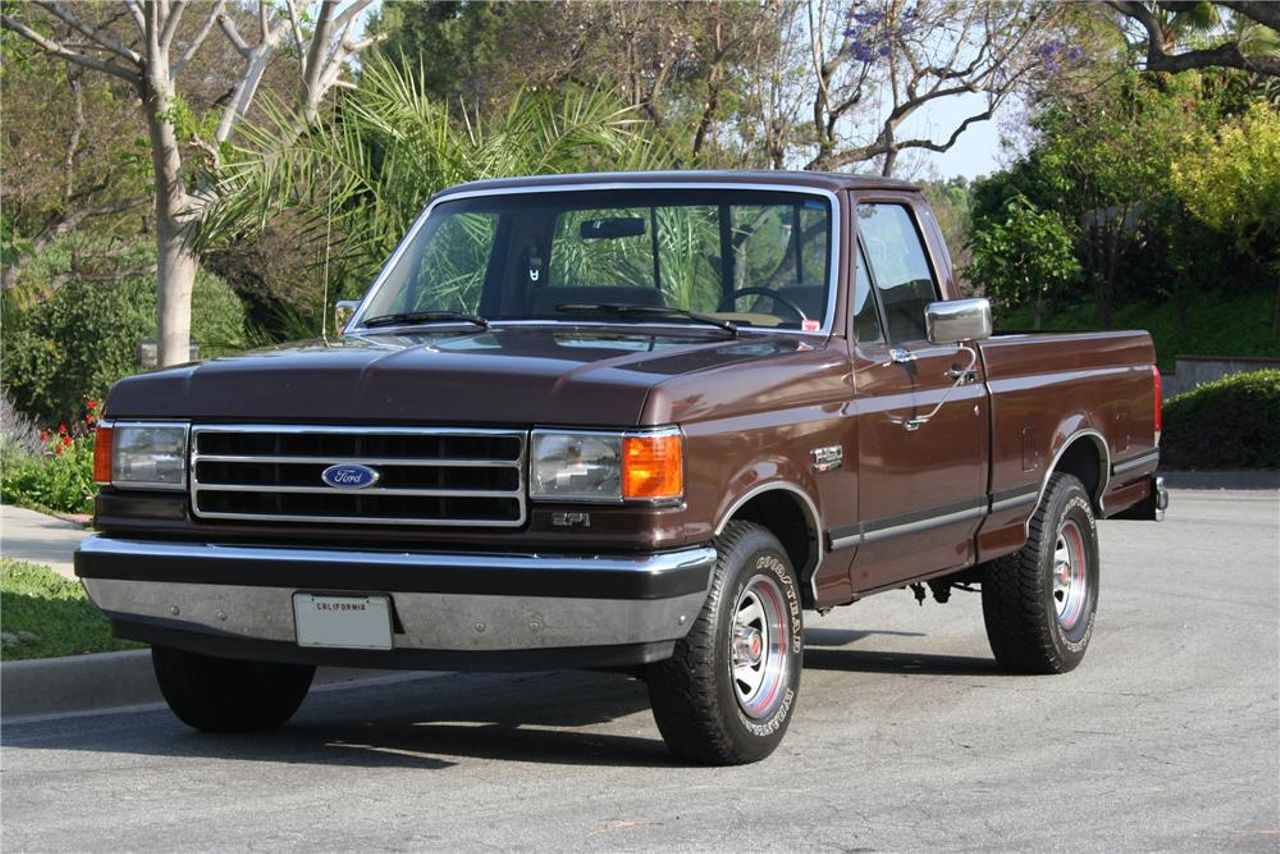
(921, 435)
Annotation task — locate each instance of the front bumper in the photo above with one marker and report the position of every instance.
(452, 610)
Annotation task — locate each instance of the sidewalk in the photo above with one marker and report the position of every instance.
(35, 537)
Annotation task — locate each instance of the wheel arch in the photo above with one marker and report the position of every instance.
(791, 515)
(1086, 455)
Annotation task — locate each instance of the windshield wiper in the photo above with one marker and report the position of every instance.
(408, 317)
(624, 309)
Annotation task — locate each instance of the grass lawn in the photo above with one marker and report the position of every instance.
(48, 615)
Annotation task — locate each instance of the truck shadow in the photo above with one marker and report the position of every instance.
(436, 722)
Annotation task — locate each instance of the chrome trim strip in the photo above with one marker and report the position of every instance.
(877, 531)
(353, 327)
(373, 490)
(517, 495)
(999, 506)
(1143, 459)
(422, 462)
(814, 520)
(645, 563)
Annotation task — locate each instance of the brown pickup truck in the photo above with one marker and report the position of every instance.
(634, 422)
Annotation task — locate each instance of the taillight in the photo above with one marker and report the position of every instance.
(1159, 392)
(102, 438)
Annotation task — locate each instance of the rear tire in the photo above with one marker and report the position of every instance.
(727, 694)
(224, 695)
(1039, 603)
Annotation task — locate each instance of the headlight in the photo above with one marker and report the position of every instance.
(589, 466)
(142, 455)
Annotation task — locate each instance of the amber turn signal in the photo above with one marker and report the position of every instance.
(653, 466)
(102, 437)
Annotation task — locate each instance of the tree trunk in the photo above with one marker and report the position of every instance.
(175, 263)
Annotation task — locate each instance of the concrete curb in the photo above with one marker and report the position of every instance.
(105, 681)
(1222, 479)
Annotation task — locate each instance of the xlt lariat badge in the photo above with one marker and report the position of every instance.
(827, 459)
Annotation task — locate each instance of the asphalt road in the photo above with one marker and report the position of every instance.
(1167, 737)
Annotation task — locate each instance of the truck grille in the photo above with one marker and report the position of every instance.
(426, 476)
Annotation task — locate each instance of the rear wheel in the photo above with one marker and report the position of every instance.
(224, 695)
(1039, 603)
(726, 696)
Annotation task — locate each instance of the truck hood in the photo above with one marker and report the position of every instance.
(518, 375)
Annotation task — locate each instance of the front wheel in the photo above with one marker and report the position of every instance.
(726, 696)
(224, 695)
(1039, 603)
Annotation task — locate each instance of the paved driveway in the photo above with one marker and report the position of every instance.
(906, 737)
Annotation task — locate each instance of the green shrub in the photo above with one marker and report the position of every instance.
(59, 476)
(82, 338)
(46, 615)
(1232, 423)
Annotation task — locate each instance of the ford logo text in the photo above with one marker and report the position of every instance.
(350, 476)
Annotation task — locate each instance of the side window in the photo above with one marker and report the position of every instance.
(899, 266)
(866, 321)
(450, 273)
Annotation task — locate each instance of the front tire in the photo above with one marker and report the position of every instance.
(1039, 603)
(727, 694)
(224, 695)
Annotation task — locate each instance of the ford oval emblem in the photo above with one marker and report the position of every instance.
(350, 476)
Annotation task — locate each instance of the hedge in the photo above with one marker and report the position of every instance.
(1231, 423)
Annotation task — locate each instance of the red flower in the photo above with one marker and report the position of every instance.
(62, 429)
(93, 404)
(66, 440)
(90, 418)
(44, 435)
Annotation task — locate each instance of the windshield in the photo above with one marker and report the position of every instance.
(755, 258)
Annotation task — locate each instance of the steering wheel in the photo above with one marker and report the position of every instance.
(727, 303)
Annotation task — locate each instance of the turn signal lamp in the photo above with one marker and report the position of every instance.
(102, 439)
(652, 466)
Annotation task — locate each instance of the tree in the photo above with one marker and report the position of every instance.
(360, 178)
(905, 54)
(1231, 182)
(1250, 42)
(151, 58)
(1024, 258)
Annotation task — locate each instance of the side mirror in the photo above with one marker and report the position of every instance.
(953, 321)
(343, 311)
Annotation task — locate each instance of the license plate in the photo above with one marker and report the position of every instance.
(343, 622)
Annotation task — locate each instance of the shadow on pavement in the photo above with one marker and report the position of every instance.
(554, 718)
(859, 661)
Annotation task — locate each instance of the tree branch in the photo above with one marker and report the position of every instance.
(198, 40)
(171, 24)
(97, 36)
(1225, 55)
(55, 48)
(228, 27)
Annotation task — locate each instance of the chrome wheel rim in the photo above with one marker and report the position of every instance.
(1070, 575)
(758, 646)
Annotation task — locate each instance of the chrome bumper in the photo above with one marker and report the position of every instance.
(446, 602)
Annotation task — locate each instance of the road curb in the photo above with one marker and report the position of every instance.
(1222, 479)
(105, 681)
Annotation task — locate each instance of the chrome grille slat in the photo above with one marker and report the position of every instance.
(368, 461)
(447, 477)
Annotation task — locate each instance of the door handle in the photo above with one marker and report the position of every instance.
(963, 375)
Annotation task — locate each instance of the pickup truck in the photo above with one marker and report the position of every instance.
(634, 422)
